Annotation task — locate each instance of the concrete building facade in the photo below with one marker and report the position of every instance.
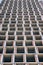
(21, 32)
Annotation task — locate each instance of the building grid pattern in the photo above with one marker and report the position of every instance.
(21, 32)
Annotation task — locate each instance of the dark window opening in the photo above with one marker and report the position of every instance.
(20, 50)
(30, 58)
(7, 58)
(31, 50)
(18, 58)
